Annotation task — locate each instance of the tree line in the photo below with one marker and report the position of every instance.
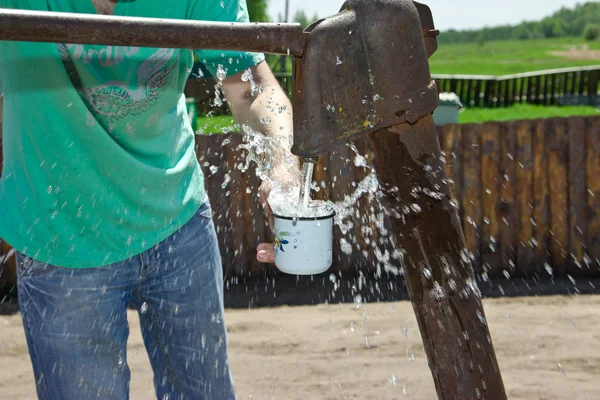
(583, 20)
(257, 9)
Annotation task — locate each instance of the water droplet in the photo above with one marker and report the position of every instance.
(358, 300)
(393, 380)
(352, 326)
(480, 317)
(144, 308)
(438, 291)
(561, 371)
(345, 247)
(410, 354)
(367, 345)
(474, 288)
(416, 208)
(338, 62)
(226, 180)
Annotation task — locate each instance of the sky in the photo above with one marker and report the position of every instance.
(447, 14)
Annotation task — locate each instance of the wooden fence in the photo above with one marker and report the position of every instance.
(529, 196)
(551, 87)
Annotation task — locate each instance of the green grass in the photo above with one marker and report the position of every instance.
(226, 123)
(219, 124)
(507, 57)
(523, 111)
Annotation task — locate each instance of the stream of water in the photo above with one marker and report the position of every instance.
(305, 183)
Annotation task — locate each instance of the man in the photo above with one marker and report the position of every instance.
(103, 198)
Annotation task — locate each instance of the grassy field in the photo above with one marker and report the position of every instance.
(474, 115)
(506, 57)
(523, 111)
(511, 57)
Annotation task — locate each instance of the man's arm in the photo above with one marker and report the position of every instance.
(265, 108)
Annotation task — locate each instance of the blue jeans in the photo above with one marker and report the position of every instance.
(76, 320)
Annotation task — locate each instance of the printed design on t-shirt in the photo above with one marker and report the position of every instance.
(115, 100)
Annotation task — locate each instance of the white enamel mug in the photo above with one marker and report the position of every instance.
(303, 246)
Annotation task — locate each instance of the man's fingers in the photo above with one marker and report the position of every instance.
(266, 207)
(269, 214)
(266, 253)
(265, 246)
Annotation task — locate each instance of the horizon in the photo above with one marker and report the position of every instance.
(478, 15)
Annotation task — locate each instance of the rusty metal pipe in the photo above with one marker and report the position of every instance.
(53, 27)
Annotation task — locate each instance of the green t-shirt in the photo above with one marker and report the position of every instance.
(99, 155)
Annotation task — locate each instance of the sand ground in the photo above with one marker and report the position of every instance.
(548, 348)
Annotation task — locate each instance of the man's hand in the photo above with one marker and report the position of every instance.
(286, 179)
(252, 107)
(265, 252)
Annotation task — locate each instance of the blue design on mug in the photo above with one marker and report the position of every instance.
(279, 239)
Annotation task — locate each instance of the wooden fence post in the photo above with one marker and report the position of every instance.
(472, 214)
(577, 196)
(593, 86)
(541, 200)
(490, 197)
(525, 197)
(593, 184)
(558, 154)
(507, 212)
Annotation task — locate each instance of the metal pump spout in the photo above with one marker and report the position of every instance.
(362, 70)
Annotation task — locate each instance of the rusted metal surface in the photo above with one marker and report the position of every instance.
(438, 273)
(430, 34)
(53, 27)
(362, 71)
